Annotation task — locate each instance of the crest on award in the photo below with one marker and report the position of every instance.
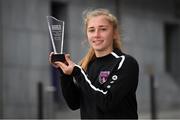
(56, 32)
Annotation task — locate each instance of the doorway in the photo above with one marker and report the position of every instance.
(172, 50)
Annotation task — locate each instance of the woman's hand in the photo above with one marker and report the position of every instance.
(67, 67)
(52, 63)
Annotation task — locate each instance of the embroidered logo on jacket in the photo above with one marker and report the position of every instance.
(103, 76)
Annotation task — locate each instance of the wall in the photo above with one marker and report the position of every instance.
(143, 37)
(25, 55)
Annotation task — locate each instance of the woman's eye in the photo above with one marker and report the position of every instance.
(91, 30)
(103, 29)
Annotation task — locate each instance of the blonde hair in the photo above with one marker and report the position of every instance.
(113, 20)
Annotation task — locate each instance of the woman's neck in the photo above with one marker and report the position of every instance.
(103, 52)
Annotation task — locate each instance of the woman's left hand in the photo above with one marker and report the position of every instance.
(67, 67)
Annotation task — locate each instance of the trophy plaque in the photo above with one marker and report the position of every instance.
(56, 32)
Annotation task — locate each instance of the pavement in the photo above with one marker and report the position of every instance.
(69, 114)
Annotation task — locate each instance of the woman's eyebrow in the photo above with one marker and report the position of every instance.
(98, 26)
(90, 27)
(103, 26)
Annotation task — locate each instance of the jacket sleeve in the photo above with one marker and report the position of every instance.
(121, 82)
(70, 91)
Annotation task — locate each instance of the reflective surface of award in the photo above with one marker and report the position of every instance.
(56, 31)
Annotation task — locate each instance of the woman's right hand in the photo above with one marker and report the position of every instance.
(66, 67)
(52, 63)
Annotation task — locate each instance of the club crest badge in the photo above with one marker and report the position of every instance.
(103, 76)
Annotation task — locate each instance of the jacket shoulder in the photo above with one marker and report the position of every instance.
(131, 63)
(128, 58)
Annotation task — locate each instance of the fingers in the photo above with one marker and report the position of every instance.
(53, 64)
(66, 67)
(50, 55)
(61, 65)
(68, 59)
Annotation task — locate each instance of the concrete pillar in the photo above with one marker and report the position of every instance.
(1, 68)
(24, 45)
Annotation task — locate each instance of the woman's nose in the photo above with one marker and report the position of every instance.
(97, 33)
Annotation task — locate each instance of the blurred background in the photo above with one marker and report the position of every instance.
(30, 87)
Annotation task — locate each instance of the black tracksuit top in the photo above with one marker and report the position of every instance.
(106, 90)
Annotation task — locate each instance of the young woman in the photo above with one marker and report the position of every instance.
(105, 82)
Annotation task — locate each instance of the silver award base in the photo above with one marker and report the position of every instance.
(58, 57)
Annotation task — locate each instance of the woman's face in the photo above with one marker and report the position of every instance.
(100, 33)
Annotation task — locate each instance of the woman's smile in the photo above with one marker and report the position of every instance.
(97, 42)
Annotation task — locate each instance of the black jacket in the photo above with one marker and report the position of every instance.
(106, 90)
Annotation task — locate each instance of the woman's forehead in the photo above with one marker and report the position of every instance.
(98, 20)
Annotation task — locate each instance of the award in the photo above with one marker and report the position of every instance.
(56, 31)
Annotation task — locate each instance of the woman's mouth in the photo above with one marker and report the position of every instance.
(97, 42)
